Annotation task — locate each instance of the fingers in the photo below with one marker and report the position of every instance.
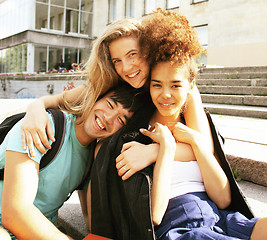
(121, 167)
(127, 146)
(34, 138)
(119, 158)
(40, 140)
(145, 132)
(50, 133)
(127, 175)
(29, 143)
(23, 139)
(124, 171)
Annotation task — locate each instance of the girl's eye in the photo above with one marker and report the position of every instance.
(176, 86)
(132, 54)
(156, 85)
(115, 61)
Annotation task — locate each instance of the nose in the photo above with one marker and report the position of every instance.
(166, 93)
(126, 65)
(110, 117)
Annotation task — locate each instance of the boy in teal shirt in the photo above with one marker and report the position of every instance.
(30, 198)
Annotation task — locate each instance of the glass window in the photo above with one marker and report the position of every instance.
(56, 18)
(84, 55)
(55, 55)
(74, 15)
(197, 1)
(129, 10)
(112, 10)
(150, 5)
(40, 54)
(87, 5)
(71, 21)
(52, 23)
(86, 23)
(14, 59)
(203, 39)
(41, 16)
(42, 1)
(202, 32)
(71, 55)
(58, 2)
(172, 3)
(73, 4)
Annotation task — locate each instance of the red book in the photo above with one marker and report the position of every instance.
(95, 237)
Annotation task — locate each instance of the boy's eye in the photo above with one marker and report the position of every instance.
(110, 105)
(176, 86)
(121, 121)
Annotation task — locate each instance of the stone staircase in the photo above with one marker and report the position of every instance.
(240, 91)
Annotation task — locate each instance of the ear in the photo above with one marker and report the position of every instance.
(192, 85)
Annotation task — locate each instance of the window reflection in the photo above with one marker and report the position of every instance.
(41, 16)
(76, 17)
(14, 59)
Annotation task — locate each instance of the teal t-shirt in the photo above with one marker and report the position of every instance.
(61, 176)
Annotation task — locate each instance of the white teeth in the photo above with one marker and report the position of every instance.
(99, 123)
(165, 104)
(133, 74)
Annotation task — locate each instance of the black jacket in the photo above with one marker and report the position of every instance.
(121, 209)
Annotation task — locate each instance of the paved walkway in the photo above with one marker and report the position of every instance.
(71, 216)
(245, 137)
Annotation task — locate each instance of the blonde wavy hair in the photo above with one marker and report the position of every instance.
(101, 74)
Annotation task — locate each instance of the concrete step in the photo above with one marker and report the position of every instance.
(237, 75)
(234, 90)
(237, 110)
(234, 69)
(248, 100)
(245, 146)
(233, 82)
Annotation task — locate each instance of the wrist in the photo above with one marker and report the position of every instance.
(153, 150)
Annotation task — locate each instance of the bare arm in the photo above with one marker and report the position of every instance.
(36, 128)
(136, 156)
(196, 118)
(83, 200)
(161, 175)
(19, 214)
(216, 183)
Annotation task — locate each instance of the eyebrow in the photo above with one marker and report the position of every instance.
(173, 81)
(125, 54)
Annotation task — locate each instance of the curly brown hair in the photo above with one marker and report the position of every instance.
(167, 36)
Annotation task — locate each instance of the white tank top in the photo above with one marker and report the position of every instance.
(186, 177)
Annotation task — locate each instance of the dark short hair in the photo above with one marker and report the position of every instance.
(130, 98)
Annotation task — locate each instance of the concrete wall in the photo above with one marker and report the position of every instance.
(237, 33)
(33, 87)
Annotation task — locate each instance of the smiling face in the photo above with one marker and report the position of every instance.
(128, 62)
(106, 117)
(169, 88)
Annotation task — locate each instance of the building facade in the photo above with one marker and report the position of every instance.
(36, 35)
